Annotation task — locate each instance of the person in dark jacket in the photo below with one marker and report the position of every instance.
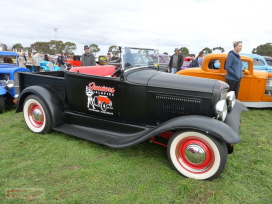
(88, 58)
(194, 62)
(61, 61)
(175, 62)
(234, 68)
(46, 57)
(128, 58)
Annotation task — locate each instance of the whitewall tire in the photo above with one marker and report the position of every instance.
(36, 115)
(195, 155)
(2, 104)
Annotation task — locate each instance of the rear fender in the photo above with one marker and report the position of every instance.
(50, 97)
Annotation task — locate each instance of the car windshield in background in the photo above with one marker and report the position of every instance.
(139, 57)
(166, 59)
(269, 61)
(258, 62)
(7, 59)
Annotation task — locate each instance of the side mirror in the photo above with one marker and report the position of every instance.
(246, 71)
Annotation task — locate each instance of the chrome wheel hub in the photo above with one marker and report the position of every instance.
(195, 154)
(37, 115)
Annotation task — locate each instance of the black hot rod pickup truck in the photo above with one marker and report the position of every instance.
(197, 119)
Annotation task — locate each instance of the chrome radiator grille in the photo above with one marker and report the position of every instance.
(50, 66)
(16, 83)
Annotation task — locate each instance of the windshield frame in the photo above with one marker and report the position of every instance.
(133, 58)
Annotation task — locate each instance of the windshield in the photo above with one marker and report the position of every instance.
(8, 59)
(139, 57)
(166, 58)
(269, 61)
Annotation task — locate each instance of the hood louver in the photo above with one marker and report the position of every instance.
(168, 107)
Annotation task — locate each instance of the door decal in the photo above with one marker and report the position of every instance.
(99, 97)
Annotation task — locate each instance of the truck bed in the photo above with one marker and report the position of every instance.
(54, 79)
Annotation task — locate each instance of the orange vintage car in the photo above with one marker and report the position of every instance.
(74, 61)
(256, 85)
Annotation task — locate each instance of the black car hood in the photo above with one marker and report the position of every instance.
(154, 78)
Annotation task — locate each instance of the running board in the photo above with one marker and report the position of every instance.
(109, 133)
(257, 104)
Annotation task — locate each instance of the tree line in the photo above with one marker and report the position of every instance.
(263, 50)
(185, 51)
(56, 47)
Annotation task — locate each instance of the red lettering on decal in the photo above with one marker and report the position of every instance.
(92, 87)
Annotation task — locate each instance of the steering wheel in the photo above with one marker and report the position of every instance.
(117, 70)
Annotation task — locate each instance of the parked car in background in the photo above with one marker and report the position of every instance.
(103, 59)
(268, 59)
(186, 63)
(256, 85)
(48, 66)
(74, 61)
(259, 62)
(9, 84)
(163, 61)
(196, 119)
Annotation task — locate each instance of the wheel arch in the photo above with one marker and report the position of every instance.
(2, 90)
(205, 125)
(50, 97)
(44, 67)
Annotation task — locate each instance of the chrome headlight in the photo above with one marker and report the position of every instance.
(10, 83)
(223, 95)
(221, 110)
(231, 99)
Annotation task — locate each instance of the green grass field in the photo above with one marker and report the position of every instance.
(72, 170)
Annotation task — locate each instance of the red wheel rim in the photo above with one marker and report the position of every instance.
(194, 154)
(35, 115)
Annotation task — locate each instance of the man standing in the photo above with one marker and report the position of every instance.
(88, 58)
(194, 62)
(176, 62)
(29, 63)
(61, 61)
(128, 58)
(46, 57)
(234, 68)
(36, 62)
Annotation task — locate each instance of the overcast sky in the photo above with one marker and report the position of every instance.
(159, 24)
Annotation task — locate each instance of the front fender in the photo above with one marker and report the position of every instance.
(52, 99)
(206, 125)
(45, 68)
(233, 118)
(56, 68)
(3, 91)
(203, 124)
